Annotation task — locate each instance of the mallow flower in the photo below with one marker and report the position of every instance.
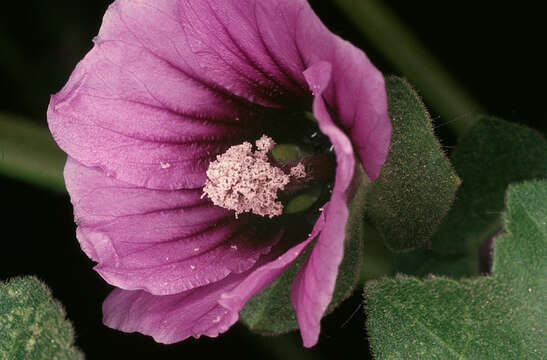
(171, 123)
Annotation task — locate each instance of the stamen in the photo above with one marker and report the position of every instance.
(265, 144)
(245, 181)
(299, 171)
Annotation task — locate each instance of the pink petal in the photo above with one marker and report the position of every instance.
(153, 126)
(357, 99)
(226, 38)
(314, 284)
(161, 241)
(171, 318)
(194, 38)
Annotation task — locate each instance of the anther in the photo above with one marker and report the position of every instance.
(244, 180)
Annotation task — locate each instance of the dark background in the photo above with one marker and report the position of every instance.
(492, 48)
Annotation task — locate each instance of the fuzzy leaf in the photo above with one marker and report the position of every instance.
(493, 317)
(417, 184)
(32, 324)
(494, 154)
(271, 312)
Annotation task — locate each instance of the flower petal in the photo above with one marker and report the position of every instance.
(228, 39)
(153, 126)
(314, 284)
(356, 98)
(210, 41)
(161, 241)
(171, 318)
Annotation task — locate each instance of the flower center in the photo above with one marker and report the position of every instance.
(244, 180)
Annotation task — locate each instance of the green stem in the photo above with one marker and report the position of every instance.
(28, 153)
(384, 30)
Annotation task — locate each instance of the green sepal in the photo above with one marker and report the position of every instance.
(32, 324)
(417, 184)
(491, 317)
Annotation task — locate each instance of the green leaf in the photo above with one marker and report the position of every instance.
(417, 184)
(494, 154)
(271, 312)
(32, 324)
(493, 317)
(28, 153)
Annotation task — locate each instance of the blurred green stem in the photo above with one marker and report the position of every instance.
(381, 27)
(28, 153)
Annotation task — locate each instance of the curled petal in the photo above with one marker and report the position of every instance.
(314, 284)
(357, 101)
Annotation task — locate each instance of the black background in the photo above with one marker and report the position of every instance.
(493, 48)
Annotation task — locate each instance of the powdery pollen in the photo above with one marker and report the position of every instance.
(299, 171)
(243, 180)
(265, 144)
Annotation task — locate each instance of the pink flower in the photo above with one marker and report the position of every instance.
(168, 86)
